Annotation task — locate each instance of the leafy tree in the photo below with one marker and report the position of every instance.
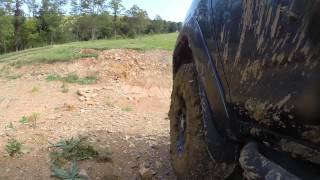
(50, 18)
(90, 11)
(158, 24)
(75, 7)
(92, 7)
(30, 34)
(104, 26)
(173, 27)
(117, 8)
(7, 6)
(6, 32)
(32, 7)
(18, 23)
(72, 22)
(137, 19)
(34, 23)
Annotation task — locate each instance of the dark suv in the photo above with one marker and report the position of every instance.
(246, 94)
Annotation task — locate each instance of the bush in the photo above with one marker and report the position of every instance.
(13, 147)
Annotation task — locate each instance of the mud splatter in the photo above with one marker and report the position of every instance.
(300, 150)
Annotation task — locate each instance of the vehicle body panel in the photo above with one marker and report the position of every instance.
(270, 55)
(258, 62)
(209, 78)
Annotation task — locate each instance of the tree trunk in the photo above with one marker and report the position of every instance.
(93, 33)
(115, 25)
(4, 46)
(18, 24)
(51, 39)
(78, 33)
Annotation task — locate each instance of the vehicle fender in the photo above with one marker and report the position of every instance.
(218, 126)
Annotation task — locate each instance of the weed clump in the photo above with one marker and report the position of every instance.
(73, 149)
(72, 78)
(31, 120)
(13, 147)
(72, 173)
(24, 120)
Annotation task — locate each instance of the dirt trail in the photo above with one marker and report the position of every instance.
(125, 110)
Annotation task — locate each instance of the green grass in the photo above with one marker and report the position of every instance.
(70, 51)
(53, 77)
(72, 78)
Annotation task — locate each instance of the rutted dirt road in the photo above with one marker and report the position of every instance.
(125, 110)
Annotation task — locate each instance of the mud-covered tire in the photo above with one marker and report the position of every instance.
(192, 162)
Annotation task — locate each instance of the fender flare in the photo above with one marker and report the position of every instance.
(216, 117)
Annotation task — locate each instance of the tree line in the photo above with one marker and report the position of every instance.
(33, 23)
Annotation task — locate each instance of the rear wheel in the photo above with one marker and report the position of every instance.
(188, 147)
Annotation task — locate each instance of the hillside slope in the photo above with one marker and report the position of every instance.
(117, 98)
(70, 51)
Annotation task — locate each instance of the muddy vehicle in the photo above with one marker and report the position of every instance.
(246, 94)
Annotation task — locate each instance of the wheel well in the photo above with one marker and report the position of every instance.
(182, 54)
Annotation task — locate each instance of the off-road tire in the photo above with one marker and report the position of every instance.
(193, 162)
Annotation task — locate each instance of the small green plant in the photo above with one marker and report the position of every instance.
(13, 147)
(64, 87)
(32, 119)
(34, 89)
(71, 174)
(77, 149)
(9, 126)
(72, 149)
(127, 109)
(24, 120)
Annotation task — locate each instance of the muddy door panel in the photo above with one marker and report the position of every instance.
(269, 54)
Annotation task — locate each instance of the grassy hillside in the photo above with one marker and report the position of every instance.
(70, 51)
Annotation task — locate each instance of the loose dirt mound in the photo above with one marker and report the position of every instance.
(124, 110)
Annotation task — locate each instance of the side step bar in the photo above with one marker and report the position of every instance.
(256, 166)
